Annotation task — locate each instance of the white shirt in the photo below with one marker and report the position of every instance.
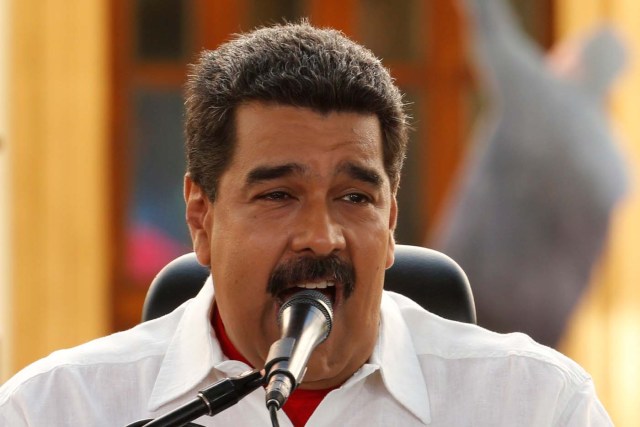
(424, 370)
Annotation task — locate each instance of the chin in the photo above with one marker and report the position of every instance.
(325, 371)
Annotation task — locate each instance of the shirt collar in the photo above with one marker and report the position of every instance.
(192, 354)
(399, 365)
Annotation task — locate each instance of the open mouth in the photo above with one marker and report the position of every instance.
(327, 288)
(332, 276)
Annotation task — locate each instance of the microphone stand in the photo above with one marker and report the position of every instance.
(210, 401)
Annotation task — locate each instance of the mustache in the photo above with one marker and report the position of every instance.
(309, 269)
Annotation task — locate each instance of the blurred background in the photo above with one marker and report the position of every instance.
(91, 158)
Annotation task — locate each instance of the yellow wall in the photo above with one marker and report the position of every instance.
(4, 191)
(605, 333)
(58, 211)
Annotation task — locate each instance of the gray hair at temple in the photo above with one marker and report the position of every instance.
(289, 64)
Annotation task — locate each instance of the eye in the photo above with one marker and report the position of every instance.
(275, 195)
(356, 198)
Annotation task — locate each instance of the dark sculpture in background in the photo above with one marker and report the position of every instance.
(533, 205)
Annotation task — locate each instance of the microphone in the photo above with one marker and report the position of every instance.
(305, 321)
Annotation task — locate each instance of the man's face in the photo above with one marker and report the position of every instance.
(301, 187)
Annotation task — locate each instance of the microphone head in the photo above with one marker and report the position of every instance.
(310, 297)
(306, 319)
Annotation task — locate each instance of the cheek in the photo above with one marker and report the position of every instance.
(371, 293)
(238, 283)
(370, 263)
(241, 267)
(246, 310)
(375, 254)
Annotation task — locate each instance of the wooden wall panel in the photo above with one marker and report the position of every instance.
(59, 207)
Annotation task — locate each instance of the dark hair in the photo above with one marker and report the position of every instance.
(290, 64)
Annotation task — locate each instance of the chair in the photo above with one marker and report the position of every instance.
(428, 277)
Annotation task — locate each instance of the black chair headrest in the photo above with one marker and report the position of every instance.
(428, 277)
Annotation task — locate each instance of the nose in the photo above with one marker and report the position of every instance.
(317, 232)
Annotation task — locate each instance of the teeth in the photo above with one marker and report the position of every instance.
(319, 285)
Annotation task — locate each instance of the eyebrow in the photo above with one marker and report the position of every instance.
(267, 173)
(361, 173)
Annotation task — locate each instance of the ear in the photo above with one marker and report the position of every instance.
(198, 214)
(393, 221)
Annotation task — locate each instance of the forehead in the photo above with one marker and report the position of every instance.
(278, 133)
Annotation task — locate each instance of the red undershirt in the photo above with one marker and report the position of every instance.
(300, 404)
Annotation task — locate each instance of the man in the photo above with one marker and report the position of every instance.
(295, 141)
